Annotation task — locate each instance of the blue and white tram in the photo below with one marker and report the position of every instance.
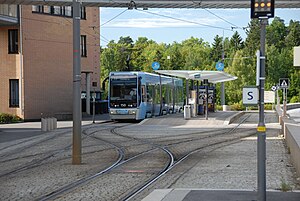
(138, 95)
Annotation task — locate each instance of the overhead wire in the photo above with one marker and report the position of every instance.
(108, 21)
(183, 20)
(233, 25)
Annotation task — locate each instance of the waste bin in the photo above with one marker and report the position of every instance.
(187, 112)
(200, 109)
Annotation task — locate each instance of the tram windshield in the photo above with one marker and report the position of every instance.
(123, 92)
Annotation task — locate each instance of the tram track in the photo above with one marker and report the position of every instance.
(180, 160)
(45, 156)
(121, 161)
(136, 158)
(155, 146)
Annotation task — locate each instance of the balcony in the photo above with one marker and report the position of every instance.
(8, 15)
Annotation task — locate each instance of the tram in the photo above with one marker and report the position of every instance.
(139, 95)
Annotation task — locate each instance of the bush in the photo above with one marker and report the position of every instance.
(295, 99)
(9, 118)
(268, 107)
(237, 107)
(219, 108)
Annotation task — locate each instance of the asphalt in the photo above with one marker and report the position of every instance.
(189, 193)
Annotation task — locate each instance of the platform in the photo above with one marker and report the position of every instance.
(217, 195)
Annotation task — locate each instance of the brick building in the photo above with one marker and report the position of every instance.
(36, 60)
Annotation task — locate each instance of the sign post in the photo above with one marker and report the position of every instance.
(262, 9)
(205, 82)
(284, 84)
(261, 128)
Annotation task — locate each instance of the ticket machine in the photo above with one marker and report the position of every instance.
(211, 98)
(201, 100)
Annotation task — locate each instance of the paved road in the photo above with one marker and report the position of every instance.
(15, 131)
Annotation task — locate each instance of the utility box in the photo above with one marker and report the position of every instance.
(187, 112)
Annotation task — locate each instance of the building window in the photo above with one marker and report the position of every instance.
(57, 10)
(83, 50)
(13, 41)
(37, 9)
(64, 11)
(47, 9)
(68, 11)
(82, 13)
(13, 93)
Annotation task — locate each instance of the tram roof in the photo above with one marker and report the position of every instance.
(211, 76)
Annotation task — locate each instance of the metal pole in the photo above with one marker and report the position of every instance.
(222, 83)
(197, 97)
(94, 100)
(76, 154)
(284, 102)
(277, 94)
(88, 93)
(222, 93)
(206, 98)
(261, 129)
(187, 91)
(160, 95)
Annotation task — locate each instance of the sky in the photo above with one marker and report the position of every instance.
(169, 25)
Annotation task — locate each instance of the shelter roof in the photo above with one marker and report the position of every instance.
(212, 76)
(132, 4)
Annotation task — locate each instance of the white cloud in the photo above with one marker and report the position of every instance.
(159, 23)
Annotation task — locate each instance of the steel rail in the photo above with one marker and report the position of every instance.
(150, 182)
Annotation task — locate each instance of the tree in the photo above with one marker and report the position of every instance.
(276, 33)
(217, 48)
(252, 41)
(236, 42)
(293, 37)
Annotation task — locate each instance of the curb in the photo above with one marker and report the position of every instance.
(230, 119)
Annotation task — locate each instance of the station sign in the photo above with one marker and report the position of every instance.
(269, 96)
(220, 66)
(155, 65)
(250, 95)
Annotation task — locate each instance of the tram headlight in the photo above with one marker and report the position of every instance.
(131, 112)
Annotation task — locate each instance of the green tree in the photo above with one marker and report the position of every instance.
(217, 48)
(252, 41)
(276, 33)
(293, 37)
(236, 42)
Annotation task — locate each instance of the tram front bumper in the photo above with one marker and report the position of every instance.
(122, 113)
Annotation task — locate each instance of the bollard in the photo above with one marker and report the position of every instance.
(43, 124)
(55, 123)
(51, 123)
(48, 124)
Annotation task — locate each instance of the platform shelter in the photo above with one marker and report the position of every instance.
(203, 94)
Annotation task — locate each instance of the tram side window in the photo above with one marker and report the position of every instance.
(149, 93)
(144, 96)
